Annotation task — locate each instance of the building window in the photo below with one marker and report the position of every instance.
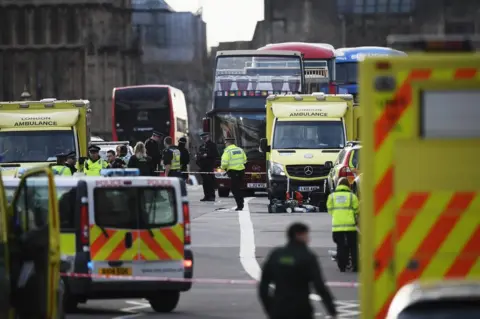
(55, 26)
(5, 27)
(22, 27)
(72, 31)
(156, 35)
(38, 28)
(459, 27)
(375, 6)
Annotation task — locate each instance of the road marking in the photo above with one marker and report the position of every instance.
(138, 305)
(345, 308)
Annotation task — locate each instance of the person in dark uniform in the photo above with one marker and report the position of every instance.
(154, 147)
(171, 159)
(184, 157)
(71, 162)
(205, 159)
(292, 268)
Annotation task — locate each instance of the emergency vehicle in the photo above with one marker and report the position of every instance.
(346, 165)
(303, 133)
(34, 132)
(122, 224)
(29, 242)
(318, 64)
(420, 196)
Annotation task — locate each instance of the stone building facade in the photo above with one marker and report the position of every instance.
(76, 49)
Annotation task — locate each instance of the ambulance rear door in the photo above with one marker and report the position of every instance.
(4, 256)
(421, 190)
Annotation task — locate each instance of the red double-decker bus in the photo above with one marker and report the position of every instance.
(243, 80)
(139, 110)
(318, 63)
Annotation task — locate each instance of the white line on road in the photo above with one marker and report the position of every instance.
(138, 305)
(247, 245)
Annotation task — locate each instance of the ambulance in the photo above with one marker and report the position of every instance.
(34, 132)
(420, 218)
(30, 252)
(125, 226)
(303, 133)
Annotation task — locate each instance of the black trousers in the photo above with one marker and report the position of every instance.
(347, 245)
(208, 183)
(236, 185)
(175, 174)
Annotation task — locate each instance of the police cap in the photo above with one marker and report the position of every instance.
(61, 156)
(71, 154)
(157, 134)
(94, 148)
(182, 140)
(204, 134)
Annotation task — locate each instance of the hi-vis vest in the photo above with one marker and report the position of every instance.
(343, 206)
(93, 168)
(233, 158)
(61, 170)
(175, 165)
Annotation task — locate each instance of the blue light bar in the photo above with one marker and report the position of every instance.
(111, 172)
(20, 172)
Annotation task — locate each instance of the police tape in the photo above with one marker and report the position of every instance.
(217, 173)
(335, 284)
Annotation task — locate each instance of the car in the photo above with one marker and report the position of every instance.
(346, 165)
(356, 185)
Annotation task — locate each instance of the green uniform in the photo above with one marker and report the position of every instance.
(61, 170)
(92, 168)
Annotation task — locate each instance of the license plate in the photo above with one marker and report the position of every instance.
(116, 271)
(308, 188)
(257, 185)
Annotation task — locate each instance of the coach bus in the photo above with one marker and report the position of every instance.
(318, 63)
(346, 65)
(243, 80)
(137, 111)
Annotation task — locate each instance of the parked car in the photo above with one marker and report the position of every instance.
(346, 165)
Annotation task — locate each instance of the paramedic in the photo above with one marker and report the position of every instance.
(61, 168)
(343, 206)
(233, 162)
(292, 268)
(171, 158)
(94, 164)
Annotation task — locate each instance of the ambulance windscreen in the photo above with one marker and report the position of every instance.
(308, 135)
(34, 146)
(134, 207)
(450, 114)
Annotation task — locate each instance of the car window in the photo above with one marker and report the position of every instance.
(340, 157)
(443, 309)
(355, 158)
(134, 207)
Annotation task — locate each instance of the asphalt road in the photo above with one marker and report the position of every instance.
(233, 245)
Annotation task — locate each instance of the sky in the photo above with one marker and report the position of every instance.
(227, 20)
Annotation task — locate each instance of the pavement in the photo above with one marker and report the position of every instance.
(232, 245)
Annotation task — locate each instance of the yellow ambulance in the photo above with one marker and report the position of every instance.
(303, 132)
(34, 132)
(420, 217)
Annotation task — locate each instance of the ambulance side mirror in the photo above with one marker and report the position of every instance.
(264, 147)
(329, 164)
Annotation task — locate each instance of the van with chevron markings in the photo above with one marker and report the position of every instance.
(123, 225)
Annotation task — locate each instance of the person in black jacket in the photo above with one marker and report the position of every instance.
(154, 147)
(205, 158)
(292, 269)
(141, 161)
(184, 157)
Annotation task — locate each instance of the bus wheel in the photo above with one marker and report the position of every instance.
(223, 192)
(165, 301)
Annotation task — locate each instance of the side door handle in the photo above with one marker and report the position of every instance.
(128, 240)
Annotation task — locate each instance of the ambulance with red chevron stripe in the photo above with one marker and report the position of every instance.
(123, 225)
(420, 214)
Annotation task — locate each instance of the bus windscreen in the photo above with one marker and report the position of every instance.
(246, 74)
(141, 110)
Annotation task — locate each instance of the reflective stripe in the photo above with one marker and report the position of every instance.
(344, 225)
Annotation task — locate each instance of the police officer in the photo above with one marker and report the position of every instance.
(61, 168)
(233, 161)
(71, 162)
(343, 206)
(154, 148)
(184, 157)
(205, 159)
(171, 159)
(94, 164)
(292, 269)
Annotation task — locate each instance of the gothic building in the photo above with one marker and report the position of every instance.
(76, 49)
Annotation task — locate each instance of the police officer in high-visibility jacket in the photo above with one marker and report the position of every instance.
(343, 206)
(61, 168)
(233, 161)
(94, 164)
(171, 158)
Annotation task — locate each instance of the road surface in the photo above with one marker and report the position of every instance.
(232, 245)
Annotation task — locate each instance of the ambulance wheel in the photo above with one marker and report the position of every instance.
(223, 192)
(165, 301)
